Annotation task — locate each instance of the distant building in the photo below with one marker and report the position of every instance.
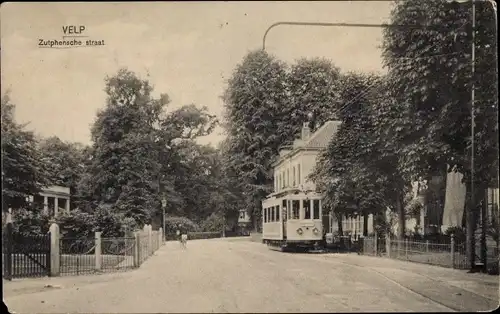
(54, 199)
(435, 217)
(244, 221)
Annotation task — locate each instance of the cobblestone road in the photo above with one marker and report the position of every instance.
(224, 275)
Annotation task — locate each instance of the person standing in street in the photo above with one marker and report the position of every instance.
(184, 237)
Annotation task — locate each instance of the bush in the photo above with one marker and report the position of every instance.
(213, 223)
(459, 233)
(76, 224)
(171, 224)
(28, 222)
(79, 224)
(113, 224)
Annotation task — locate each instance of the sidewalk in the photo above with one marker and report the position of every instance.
(449, 286)
(34, 285)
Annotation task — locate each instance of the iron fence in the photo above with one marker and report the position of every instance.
(77, 256)
(443, 252)
(144, 250)
(25, 255)
(117, 254)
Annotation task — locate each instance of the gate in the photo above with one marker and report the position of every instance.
(25, 256)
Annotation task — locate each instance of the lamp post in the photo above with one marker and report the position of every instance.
(163, 207)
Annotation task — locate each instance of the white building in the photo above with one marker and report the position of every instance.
(54, 198)
(296, 194)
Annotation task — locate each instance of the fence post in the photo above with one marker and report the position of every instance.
(406, 248)
(7, 264)
(160, 237)
(150, 239)
(452, 250)
(136, 249)
(388, 244)
(98, 251)
(427, 246)
(55, 257)
(375, 244)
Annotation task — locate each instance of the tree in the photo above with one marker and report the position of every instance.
(314, 86)
(358, 171)
(23, 172)
(138, 150)
(65, 163)
(432, 82)
(256, 110)
(125, 161)
(183, 162)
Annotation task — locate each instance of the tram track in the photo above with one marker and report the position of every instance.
(451, 306)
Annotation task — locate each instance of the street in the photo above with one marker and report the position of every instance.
(236, 275)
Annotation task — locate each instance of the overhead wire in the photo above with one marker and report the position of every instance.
(376, 82)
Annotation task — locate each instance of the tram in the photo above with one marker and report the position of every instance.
(294, 222)
(292, 216)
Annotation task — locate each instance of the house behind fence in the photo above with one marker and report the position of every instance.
(54, 255)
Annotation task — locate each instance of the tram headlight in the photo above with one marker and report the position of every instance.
(315, 231)
(300, 231)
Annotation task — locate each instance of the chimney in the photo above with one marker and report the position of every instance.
(306, 132)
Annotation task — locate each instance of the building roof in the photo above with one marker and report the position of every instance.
(318, 140)
(321, 138)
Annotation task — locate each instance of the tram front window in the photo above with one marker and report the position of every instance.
(295, 209)
(307, 209)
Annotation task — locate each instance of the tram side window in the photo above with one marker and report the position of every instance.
(295, 209)
(284, 206)
(273, 215)
(307, 209)
(277, 213)
(316, 209)
(290, 216)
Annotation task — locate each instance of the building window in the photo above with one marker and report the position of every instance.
(293, 177)
(277, 213)
(306, 204)
(316, 209)
(295, 209)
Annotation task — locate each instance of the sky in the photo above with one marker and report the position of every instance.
(186, 49)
